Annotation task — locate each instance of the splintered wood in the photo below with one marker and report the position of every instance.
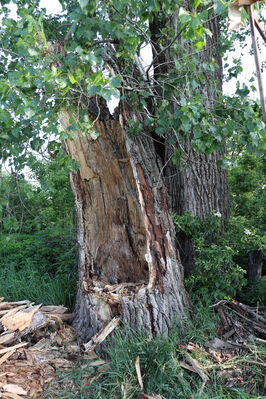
(34, 344)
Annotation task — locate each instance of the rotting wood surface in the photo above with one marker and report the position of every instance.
(125, 232)
(35, 342)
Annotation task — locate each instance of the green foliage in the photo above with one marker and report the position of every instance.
(38, 79)
(242, 237)
(256, 293)
(207, 230)
(247, 188)
(47, 201)
(220, 260)
(216, 274)
(38, 250)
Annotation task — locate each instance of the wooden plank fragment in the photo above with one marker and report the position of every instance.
(20, 320)
(54, 309)
(5, 350)
(197, 368)
(14, 388)
(6, 338)
(6, 356)
(11, 395)
(137, 367)
(11, 312)
(101, 335)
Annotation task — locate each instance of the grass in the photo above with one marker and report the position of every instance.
(40, 267)
(160, 367)
(37, 286)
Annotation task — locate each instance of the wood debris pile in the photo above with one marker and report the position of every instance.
(34, 343)
(240, 323)
(232, 355)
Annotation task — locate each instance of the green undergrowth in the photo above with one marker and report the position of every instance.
(40, 267)
(221, 260)
(161, 367)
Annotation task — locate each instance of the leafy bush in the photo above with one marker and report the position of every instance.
(247, 189)
(216, 274)
(256, 293)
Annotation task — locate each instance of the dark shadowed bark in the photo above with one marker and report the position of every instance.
(255, 263)
(128, 263)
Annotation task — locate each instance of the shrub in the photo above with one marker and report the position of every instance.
(256, 293)
(216, 274)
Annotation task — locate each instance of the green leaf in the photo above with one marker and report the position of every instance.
(71, 78)
(94, 134)
(29, 112)
(33, 52)
(83, 3)
(115, 82)
(184, 15)
(97, 78)
(195, 3)
(93, 90)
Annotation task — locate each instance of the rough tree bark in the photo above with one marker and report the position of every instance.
(128, 262)
(201, 187)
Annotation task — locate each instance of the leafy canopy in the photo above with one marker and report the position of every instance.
(92, 51)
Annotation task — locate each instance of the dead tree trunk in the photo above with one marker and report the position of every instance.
(128, 263)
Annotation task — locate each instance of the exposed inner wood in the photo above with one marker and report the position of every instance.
(114, 237)
(128, 263)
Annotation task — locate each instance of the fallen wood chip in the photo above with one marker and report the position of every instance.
(223, 317)
(6, 356)
(97, 363)
(197, 367)
(13, 347)
(101, 335)
(27, 372)
(13, 388)
(60, 316)
(187, 367)
(54, 309)
(11, 395)
(137, 366)
(11, 312)
(6, 337)
(19, 321)
(218, 344)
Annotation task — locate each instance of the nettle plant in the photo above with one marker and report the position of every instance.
(43, 73)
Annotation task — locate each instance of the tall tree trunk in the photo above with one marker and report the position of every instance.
(201, 187)
(128, 263)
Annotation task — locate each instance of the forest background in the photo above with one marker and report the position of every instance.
(38, 247)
